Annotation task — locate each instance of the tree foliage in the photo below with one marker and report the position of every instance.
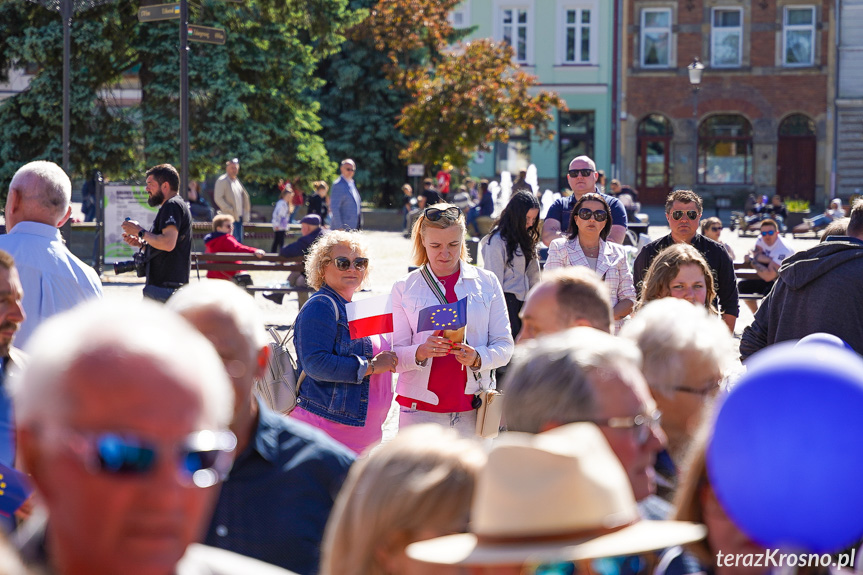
(420, 95)
(471, 98)
(252, 98)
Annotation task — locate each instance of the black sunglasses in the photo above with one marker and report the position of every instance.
(434, 214)
(716, 229)
(344, 264)
(598, 215)
(585, 172)
(690, 214)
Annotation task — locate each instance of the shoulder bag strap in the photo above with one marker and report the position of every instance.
(336, 311)
(432, 283)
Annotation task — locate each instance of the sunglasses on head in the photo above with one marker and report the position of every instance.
(690, 214)
(598, 215)
(203, 459)
(768, 232)
(434, 214)
(344, 264)
(584, 173)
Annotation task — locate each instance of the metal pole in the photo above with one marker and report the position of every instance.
(695, 107)
(184, 98)
(66, 14)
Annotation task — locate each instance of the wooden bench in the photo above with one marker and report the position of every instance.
(743, 272)
(246, 262)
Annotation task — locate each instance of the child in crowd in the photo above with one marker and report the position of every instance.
(319, 203)
(281, 217)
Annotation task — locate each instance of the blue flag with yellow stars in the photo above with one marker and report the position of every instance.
(446, 317)
(14, 490)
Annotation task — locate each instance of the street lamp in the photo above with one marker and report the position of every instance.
(695, 71)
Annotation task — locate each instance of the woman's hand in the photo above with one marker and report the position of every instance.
(435, 346)
(382, 362)
(465, 354)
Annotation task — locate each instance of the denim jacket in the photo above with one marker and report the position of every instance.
(334, 387)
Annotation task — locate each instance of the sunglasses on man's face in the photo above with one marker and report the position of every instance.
(434, 214)
(584, 173)
(598, 215)
(203, 459)
(630, 565)
(344, 264)
(768, 232)
(690, 214)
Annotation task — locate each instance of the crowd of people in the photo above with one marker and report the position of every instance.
(149, 451)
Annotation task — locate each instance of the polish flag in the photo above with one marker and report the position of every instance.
(370, 316)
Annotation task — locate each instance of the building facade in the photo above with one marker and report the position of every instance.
(761, 120)
(849, 101)
(568, 45)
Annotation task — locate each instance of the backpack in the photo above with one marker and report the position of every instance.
(279, 386)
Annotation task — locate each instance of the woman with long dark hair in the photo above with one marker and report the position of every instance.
(509, 251)
(586, 245)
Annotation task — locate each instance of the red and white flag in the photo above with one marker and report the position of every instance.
(370, 316)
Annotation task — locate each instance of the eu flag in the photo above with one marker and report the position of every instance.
(14, 490)
(447, 316)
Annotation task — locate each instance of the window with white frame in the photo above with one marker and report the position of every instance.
(726, 38)
(798, 36)
(459, 16)
(514, 31)
(579, 35)
(656, 38)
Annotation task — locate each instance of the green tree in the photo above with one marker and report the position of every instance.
(399, 93)
(251, 98)
(471, 98)
(102, 135)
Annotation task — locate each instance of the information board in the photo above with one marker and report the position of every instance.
(123, 202)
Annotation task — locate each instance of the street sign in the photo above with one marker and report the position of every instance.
(159, 12)
(416, 170)
(206, 34)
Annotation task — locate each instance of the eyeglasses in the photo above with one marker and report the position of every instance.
(716, 229)
(203, 458)
(768, 233)
(598, 215)
(690, 214)
(641, 424)
(628, 565)
(434, 214)
(348, 168)
(344, 264)
(584, 173)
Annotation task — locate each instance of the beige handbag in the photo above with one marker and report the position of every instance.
(489, 413)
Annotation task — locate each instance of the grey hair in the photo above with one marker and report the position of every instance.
(101, 328)
(46, 184)
(549, 381)
(666, 329)
(227, 298)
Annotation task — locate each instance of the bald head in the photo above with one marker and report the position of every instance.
(39, 192)
(568, 297)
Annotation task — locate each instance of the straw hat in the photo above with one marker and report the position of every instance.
(556, 496)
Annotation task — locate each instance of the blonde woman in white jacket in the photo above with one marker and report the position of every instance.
(440, 373)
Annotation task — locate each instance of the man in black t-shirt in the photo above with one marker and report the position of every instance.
(168, 245)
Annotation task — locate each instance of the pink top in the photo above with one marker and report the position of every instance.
(380, 399)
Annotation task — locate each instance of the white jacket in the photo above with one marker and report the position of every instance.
(487, 329)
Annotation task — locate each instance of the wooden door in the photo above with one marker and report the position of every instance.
(795, 167)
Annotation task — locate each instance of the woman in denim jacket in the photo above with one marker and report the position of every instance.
(347, 390)
(440, 372)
